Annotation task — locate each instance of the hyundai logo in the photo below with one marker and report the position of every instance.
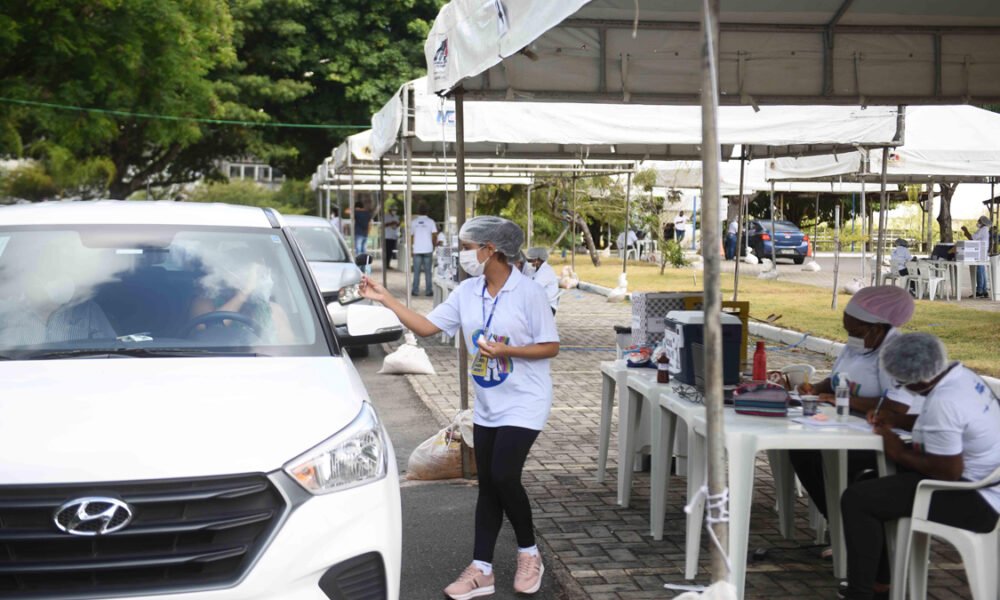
(93, 516)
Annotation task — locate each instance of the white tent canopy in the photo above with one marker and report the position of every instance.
(688, 175)
(943, 144)
(816, 52)
(615, 131)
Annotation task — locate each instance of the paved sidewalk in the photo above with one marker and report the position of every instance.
(607, 550)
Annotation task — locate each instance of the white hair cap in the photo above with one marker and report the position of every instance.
(914, 357)
(502, 233)
(537, 253)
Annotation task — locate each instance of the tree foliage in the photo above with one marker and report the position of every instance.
(301, 61)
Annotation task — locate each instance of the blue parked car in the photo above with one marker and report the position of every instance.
(789, 241)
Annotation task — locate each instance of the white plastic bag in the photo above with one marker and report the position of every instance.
(720, 590)
(440, 456)
(854, 286)
(408, 359)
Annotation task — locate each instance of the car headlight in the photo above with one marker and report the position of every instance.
(348, 294)
(355, 455)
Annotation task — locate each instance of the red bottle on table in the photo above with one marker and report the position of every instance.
(663, 369)
(760, 363)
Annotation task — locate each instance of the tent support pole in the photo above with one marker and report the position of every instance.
(531, 223)
(385, 243)
(628, 208)
(993, 219)
(836, 253)
(326, 206)
(882, 214)
(815, 239)
(929, 229)
(408, 210)
(711, 157)
(572, 239)
(864, 229)
(463, 354)
(774, 238)
(350, 202)
(739, 227)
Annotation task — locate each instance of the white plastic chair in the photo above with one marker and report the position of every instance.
(934, 275)
(980, 552)
(915, 276)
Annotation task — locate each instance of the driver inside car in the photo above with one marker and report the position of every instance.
(244, 288)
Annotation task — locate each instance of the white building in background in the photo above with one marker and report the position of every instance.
(249, 169)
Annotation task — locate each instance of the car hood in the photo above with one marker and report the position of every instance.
(122, 419)
(332, 276)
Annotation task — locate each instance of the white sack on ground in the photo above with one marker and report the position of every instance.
(721, 590)
(408, 359)
(440, 456)
(750, 259)
(811, 266)
(854, 286)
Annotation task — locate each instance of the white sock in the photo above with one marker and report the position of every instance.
(532, 550)
(485, 567)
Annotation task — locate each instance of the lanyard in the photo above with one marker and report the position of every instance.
(487, 322)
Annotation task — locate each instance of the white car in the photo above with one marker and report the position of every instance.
(177, 417)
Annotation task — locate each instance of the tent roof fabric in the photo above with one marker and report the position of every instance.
(615, 131)
(772, 51)
(942, 144)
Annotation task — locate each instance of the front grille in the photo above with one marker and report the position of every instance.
(190, 533)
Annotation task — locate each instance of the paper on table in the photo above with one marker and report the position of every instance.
(867, 427)
(814, 423)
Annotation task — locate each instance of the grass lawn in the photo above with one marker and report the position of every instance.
(972, 336)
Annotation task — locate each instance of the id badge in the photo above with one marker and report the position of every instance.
(478, 367)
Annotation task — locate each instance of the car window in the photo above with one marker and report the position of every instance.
(780, 226)
(153, 287)
(320, 244)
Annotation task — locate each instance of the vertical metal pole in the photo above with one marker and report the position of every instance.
(327, 192)
(710, 158)
(882, 215)
(774, 237)
(628, 201)
(385, 243)
(350, 201)
(694, 221)
(864, 218)
(816, 229)
(463, 353)
(572, 239)
(531, 217)
(739, 227)
(929, 229)
(836, 252)
(408, 210)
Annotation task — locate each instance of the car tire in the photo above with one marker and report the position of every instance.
(799, 260)
(358, 351)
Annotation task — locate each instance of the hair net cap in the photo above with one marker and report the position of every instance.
(504, 234)
(538, 253)
(984, 221)
(902, 242)
(914, 357)
(881, 304)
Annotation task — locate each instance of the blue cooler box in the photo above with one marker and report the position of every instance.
(684, 338)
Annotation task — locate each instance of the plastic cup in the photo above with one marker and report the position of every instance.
(810, 405)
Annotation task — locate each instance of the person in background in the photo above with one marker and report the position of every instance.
(424, 238)
(362, 220)
(543, 274)
(512, 335)
(391, 230)
(680, 226)
(871, 319)
(900, 256)
(731, 233)
(335, 221)
(955, 437)
(982, 234)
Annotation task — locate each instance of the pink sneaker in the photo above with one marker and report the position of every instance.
(528, 578)
(472, 583)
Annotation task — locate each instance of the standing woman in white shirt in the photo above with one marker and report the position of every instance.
(510, 331)
(955, 437)
(542, 274)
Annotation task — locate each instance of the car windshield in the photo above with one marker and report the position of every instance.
(320, 244)
(147, 290)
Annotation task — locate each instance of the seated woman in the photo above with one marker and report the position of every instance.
(870, 319)
(955, 437)
(250, 295)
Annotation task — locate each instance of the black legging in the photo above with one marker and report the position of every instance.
(808, 465)
(500, 456)
(867, 505)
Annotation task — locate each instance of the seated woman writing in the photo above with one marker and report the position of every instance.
(955, 437)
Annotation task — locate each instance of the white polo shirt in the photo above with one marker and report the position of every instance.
(867, 377)
(423, 228)
(961, 415)
(680, 223)
(516, 392)
(546, 278)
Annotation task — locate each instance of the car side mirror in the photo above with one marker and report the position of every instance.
(368, 325)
